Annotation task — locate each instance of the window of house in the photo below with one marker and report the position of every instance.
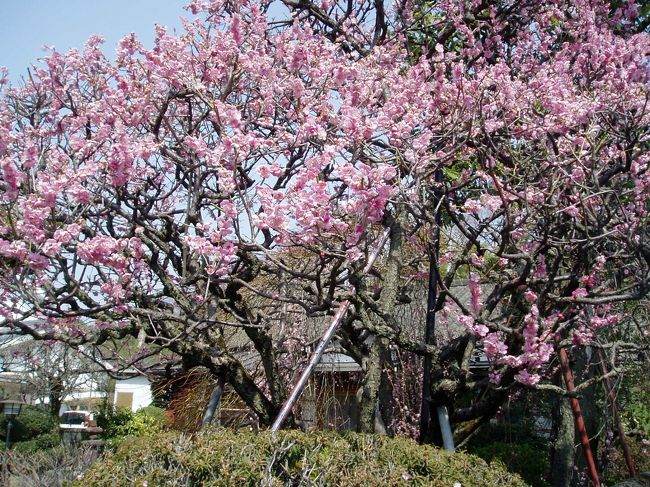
(124, 400)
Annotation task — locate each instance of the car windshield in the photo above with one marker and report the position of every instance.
(73, 418)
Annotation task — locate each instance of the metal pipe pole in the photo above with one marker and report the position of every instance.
(445, 429)
(5, 466)
(213, 404)
(322, 345)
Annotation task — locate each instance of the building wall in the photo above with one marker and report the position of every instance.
(133, 393)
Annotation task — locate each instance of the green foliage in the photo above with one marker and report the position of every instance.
(153, 413)
(145, 420)
(112, 420)
(516, 431)
(638, 411)
(634, 399)
(516, 446)
(224, 458)
(640, 415)
(616, 468)
(119, 423)
(525, 459)
(32, 421)
(40, 442)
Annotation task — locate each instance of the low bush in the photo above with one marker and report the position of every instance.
(146, 420)
(225, 458)
(634, 400)
(507, 432)
(638, 413)
(119, 424)
(517, 446)
(152, 413)
(112, 420)
(55, 467)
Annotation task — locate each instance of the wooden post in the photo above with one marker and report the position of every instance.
(577, 413)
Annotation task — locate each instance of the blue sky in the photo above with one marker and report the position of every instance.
(27, 25)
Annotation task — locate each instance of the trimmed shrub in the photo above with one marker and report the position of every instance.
(40, 442)
(514, 432)
(517, 446)
(223, 457)
(32, 421)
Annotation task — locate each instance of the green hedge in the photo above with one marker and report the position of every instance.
(225, 458)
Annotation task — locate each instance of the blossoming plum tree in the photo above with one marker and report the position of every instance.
(214, 191)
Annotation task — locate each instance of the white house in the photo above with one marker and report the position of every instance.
(133, 393)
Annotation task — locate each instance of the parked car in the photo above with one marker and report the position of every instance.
(76, 420)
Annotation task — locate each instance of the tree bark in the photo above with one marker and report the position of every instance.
(562, 446)
(246, 388)
(430, 431)
(386, 403)
(379, 354)
(264, 345)
(56, 395)
(611, 394)
(372, 368)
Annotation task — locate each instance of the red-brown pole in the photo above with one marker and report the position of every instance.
(577, 414)
(617, 417)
